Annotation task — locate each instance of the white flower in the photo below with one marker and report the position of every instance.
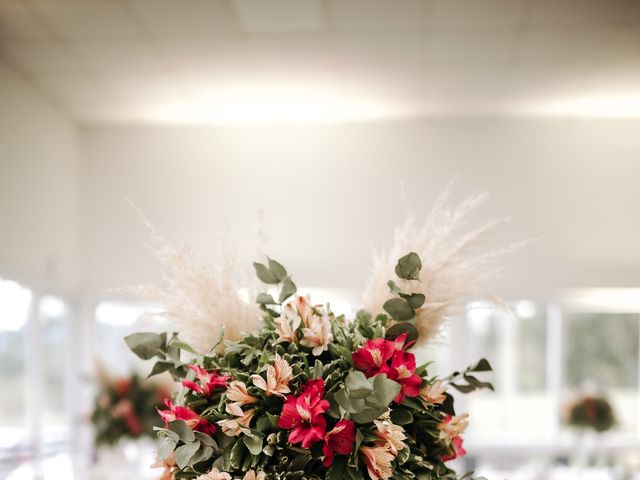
(287, 324)
(214, 474)
(318, 335)
(390, 435)
(433, 394)
(278, 377)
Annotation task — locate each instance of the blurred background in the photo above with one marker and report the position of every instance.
(306, 119)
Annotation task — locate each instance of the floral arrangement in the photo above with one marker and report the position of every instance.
(591, 412)
(125, 407)
(282, 388)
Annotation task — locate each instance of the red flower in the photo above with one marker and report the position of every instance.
(403, 368)
(340, 440)
(456, 450)
(192, 419)
(209, 381)
(303, 414)
(373, 357)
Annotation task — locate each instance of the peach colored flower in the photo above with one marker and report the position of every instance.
(169, 465)
(287, 324)
(453, 427)
(238, 394)
(278, 377)
(318, 333)
(214, 474)
(252, 475)
(433, 394)
(303, 306)
(378, 461)
(390, 435)
(233, 427)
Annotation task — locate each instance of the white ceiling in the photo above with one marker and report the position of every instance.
(210, 61)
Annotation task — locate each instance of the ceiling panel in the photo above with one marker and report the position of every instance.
(277, 16)
(184, 19)
(18, 24)
(583, 13)
(82, 20)
(378, 16)
(131, 57)
(44, 59)
(465, 15)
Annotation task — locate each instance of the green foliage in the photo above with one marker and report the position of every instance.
(409, 267)
(263, 446)
(126, 408)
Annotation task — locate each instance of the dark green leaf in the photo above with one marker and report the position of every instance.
(400, 328)
(409, 266)
(398, 309)
(482, 366)
(416, 300)
(401, 416)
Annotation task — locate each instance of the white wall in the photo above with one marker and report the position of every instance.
(329, 193)
(39, 189)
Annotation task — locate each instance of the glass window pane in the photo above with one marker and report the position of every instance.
(532, 347)
(602, 349)
(53, 351)
(15, 302)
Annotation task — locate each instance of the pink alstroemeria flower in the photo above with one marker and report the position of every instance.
(192, 419)
(373, 357)
(303, 414)
(340, 440)
(403, 368)
(208, 381)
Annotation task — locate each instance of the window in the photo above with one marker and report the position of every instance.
(15, 304)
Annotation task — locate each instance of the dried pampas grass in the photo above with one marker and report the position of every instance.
(453, 272)
(198, 302)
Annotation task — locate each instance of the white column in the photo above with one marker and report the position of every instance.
(555, 366)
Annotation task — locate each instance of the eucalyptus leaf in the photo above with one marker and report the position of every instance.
(264, 274)
(183, 430)
(399, 309)
(403, 328)
(384, 390)
(277, 269)
(288, 289)
(357, 385)
(409, 266)
(483, 365)
(185, 452)
(416, 300)
(160, 367)
(144, 344)
(265, 299)
(253, 443)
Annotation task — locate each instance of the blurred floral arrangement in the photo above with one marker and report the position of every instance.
(125, 408)
(591, 412)
(287, 389)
